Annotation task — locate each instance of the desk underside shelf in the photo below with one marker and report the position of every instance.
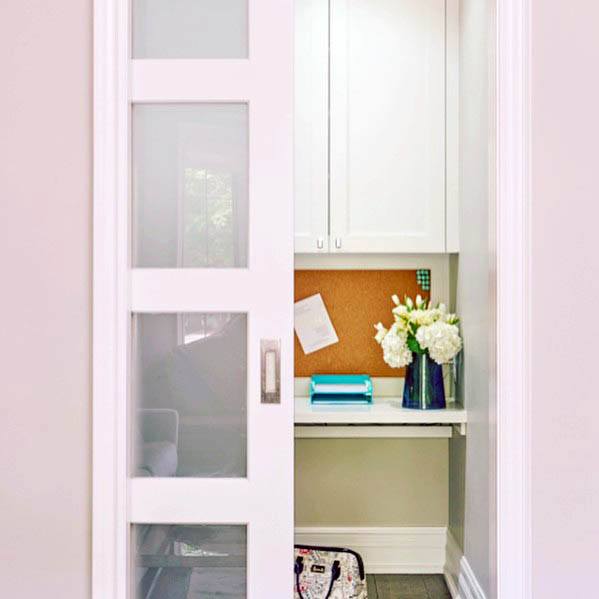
(385, 418)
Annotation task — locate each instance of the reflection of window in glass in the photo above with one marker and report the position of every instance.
(197, 326)
(190, 185)
(208, 225)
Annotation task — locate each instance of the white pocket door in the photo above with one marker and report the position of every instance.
(193, 317)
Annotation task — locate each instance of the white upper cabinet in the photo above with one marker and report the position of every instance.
(311, 125)
(388, 125)
(387, 133)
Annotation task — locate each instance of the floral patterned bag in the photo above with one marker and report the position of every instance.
(328, 573)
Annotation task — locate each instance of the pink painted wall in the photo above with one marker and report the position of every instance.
(45, 252)
(565, 285)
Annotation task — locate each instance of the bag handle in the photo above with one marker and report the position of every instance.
(299, 568)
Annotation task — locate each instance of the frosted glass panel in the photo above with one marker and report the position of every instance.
(190, 185)
(190, 29)
(189, 562)
(190, 395)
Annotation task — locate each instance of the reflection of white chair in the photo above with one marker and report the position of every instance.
(157, 442)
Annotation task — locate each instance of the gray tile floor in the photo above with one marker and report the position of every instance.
(403, 586)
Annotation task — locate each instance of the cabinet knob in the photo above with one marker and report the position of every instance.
(338, 243)
(320, 243)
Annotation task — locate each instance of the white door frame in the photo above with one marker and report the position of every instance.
(110, 557)
(110, 551)
(512, 245)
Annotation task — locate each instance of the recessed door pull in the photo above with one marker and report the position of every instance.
(320, 243)
(270, 366)
(338, 242)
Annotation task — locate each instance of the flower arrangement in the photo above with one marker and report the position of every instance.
(419, 329)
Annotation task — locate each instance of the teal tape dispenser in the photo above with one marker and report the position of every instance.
(339, 389)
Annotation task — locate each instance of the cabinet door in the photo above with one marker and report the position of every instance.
(311, 125)
(387, 126)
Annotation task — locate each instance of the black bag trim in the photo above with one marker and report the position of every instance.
(338, 550)
(299, 568)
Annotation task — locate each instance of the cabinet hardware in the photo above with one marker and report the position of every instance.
(338, 242)
(320, 243)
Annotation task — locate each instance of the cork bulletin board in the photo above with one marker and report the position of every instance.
(355, 300)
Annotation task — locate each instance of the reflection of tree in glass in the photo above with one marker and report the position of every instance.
(208, 227)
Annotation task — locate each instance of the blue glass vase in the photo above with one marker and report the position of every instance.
(424, 389)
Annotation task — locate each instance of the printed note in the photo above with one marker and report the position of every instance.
(313, 324)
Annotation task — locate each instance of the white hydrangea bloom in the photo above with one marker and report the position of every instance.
(434, 329)
(396, 352)
(381, 331)
(441, 339)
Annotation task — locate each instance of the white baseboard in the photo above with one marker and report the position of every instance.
(402, 550)
(460, 578)
(452, 566)
(385, 550)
